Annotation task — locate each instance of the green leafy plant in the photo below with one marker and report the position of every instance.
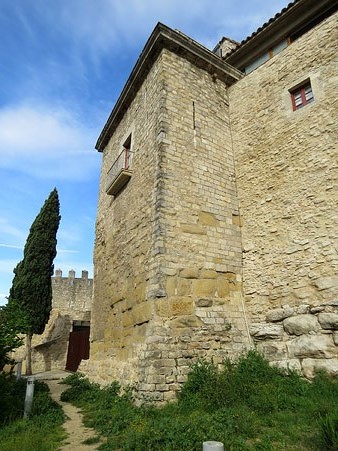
(329, 431)
(42, 431)
(12, 321)
(246, 404)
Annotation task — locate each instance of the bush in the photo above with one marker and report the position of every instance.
(80, 387)
(12, 398)
(42, 430)
(328, 427)
(247, 405)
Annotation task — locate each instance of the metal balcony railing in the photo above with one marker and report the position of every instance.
(120, 172)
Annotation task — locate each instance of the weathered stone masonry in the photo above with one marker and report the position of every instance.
(225, 234)
(287, 173)
(168, 250)
(71, 304)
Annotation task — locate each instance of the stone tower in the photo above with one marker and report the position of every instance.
(168, 258)
(216, 225)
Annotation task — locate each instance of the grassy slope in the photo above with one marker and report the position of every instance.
(247, 406)
(42, 431)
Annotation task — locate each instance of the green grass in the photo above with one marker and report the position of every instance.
(42, 431)
(247, 405)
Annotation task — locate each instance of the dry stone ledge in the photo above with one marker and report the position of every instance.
(335, 338)
(328, 282)
(287, 365)
(280, 314)
(312, 366)
(312, 346)
(301, 324)
(266, 331)
(302, 309)
(328, 320)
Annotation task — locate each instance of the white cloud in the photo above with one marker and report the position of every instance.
(11, 246)
(7, 265)
(7, 229)
(111, 24)
(47, 143)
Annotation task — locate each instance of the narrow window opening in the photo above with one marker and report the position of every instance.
(301, 95)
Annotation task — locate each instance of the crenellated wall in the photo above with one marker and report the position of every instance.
(72, 301)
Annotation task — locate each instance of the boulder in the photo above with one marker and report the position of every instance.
(328, 320)
(279, 314)
(301, 324)
(311, 366)
(266, 331)
(335, 338)
(287, 365)
(328, 282)
(312, 346)
(302, 309)
(272, 350)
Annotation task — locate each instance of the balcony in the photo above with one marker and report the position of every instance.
(120, 172)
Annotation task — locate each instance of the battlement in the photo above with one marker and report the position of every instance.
(71, 274)
(72, 292)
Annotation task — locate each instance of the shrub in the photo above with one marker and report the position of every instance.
(80, 387)
(328, 427)
(12, 398)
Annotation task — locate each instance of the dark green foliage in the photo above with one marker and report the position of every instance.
(12, 397)
(79, 387)
(329, 432)
(31, 289)
(42, 431)
(44, 410)
(11, 323)
(247, 405)
(264, 388)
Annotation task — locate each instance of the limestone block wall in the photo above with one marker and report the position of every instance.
(287, 173)
(168, 250)
(72, 299)
(124, 230)
(197, 283)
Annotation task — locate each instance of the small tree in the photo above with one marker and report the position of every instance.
(11, 323)
(31, 289)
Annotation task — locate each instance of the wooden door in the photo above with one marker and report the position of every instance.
(78, 348)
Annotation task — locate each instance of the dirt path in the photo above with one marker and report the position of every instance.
(73, 425)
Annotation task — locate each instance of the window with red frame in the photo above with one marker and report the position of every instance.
(301, 96)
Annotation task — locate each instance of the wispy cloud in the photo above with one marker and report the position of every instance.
(46, 142)
(11, 246)
(9, 230)
(67, 251)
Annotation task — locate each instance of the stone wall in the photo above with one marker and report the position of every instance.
(227, 225)
(287, 173)
(72, 299)
(196, 284)
(168, 249)
(123, 245)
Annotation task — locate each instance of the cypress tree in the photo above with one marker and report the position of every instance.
(31, 289)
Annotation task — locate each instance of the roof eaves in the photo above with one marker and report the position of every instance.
(295, 14)
(164, 37)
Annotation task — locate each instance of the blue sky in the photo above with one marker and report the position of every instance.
(63, 64)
